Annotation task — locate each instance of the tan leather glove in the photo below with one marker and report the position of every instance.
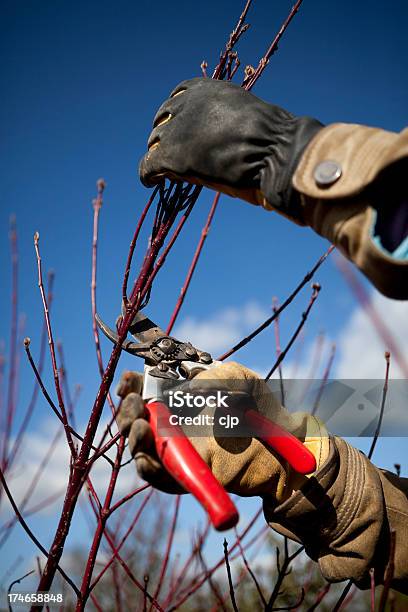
(243, 465)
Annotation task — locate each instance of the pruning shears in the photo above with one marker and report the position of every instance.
(167, 358)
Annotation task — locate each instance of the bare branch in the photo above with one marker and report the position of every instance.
(263, 62)
(384, 397)
(231, 586)
(389, 573)
(315, 293)
(52, 349)
(17, 582)
(281, 308)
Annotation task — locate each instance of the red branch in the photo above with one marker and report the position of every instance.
(97, 204)
(52, 349)
(263, 62)
(103, 516)
(124, 538)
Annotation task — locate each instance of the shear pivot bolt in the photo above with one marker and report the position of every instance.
(326, 173)
(166, 345)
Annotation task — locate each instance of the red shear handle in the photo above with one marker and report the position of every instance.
(284, 443)
(183, 462)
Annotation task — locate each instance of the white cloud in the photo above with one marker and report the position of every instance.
(223, 329)
(360, 347)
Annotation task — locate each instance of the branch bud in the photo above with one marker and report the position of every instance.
(100, 185)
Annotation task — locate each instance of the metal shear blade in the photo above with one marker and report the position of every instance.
(140, 349)
(154, 345)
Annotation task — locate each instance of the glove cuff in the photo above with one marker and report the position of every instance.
(276, 176)
(338, 515)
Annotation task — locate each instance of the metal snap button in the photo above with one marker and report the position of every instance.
(327, 172)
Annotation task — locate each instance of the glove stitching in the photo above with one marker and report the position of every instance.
(353, 492)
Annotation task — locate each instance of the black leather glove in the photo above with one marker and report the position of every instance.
(214, 133)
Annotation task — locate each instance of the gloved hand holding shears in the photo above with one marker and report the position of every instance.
(270, 464)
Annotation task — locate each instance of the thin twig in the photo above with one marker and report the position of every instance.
(384, 397)
(389, 573)
(293, 606)
(305, 314)
(123, 540)
(97, 204)
(249, 570)
(235, 35)
(51, 403)
(372, 589)
(126, 568)
(278, 349)
(103, 517)
(133, 245)
(128, 497)
(211, 582)
(324, 379)
(342, 597)
(282, 573)
(192, 588)
(263, 62)
(17, 582)
(281, 308)
(146, 582)
(140, 292)
(231, 586)
(320, 596)
(52, 349)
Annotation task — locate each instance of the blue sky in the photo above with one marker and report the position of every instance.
(80, 85)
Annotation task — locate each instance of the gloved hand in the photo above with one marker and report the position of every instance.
(242, 465)
(214, 133)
